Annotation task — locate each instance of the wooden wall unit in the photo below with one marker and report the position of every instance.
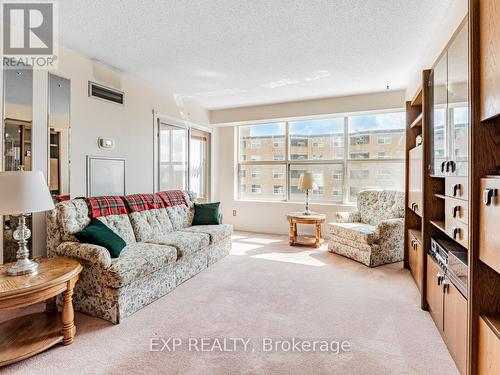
(484, 262)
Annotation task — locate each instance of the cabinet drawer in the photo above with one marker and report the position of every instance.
(489, 219)
(457, 230)
(488, 361)
(415, 255)
(457, 209)
(457, 187)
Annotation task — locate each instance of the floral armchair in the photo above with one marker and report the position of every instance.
(374, 233)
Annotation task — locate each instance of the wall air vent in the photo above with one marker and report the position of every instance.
(105, 93)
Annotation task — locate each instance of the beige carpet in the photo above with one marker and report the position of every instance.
(265, 289)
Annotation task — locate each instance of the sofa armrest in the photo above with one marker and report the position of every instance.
(391, 230)
(93, 255)
(348, 217)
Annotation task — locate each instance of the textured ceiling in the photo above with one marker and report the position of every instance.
(229, 53)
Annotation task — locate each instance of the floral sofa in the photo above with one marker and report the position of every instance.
(374, 234)
(163, 249)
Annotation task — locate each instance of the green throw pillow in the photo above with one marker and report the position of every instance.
(97, 233)
(206, 214)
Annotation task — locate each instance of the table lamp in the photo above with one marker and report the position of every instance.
(306, 182)
(22, 193)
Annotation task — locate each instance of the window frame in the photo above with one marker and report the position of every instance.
(287, 162)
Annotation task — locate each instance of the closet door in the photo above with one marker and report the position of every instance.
(458, 103)
(439, 135)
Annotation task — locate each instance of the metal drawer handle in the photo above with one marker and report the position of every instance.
(446, 286)
(456, 232)
(488, 195)
(440, 278)
(450, 165)
(456, 210)
(455, 189)
(442, 165)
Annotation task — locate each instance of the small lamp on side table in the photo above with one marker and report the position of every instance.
(22, 193)
(306, 182)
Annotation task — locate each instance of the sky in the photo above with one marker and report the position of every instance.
(333, 125)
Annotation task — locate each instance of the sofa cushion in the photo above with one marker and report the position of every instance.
(98, 233)
(358, 232)
(186, 243)
(150, 225)
(180, 216)
(377, 205)
(217, 233)
(72, 216)
(136, 261)
(120, 224)
(207, 214)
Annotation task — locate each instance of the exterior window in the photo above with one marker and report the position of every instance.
(298, 156)
(278, 189)
(255, 143)
(359, 155)
(360, 140)
(384, 139)
(344, 154)
(359, 174)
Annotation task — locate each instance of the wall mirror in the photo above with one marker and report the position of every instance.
(16, 135)
(58, 137)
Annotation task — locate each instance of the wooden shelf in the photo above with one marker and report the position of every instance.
(417, 99)
(28, 335)
(437, 176)
(439, 224)
(417, 122)
(441, 196)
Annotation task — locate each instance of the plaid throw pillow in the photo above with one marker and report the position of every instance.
(142, 202)
(172, 198)
(104, 206)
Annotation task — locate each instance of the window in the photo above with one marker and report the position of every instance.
(172, 142)
(359, 174)
(255, 173)
(278, 174)
(199, 162)
(278, 189)
(384, 139)
(344, 154)
(255, 143)
(359, 155)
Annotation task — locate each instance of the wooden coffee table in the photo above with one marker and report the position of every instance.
(25, 336)
(316, 219)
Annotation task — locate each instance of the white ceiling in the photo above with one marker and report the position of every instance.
(230, 53)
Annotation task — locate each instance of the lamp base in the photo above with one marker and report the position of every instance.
(307, 212)
(23, 267)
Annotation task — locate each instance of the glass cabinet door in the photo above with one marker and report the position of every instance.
(458, 103)
(440, 116)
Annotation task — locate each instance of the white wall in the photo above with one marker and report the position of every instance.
(270, 217)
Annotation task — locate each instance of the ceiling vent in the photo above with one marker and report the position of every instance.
(105, 93)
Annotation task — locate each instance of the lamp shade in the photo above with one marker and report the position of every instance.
(24, 192)
(306, 182)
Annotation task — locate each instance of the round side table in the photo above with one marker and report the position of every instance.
(295, 218)
(27, 335)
